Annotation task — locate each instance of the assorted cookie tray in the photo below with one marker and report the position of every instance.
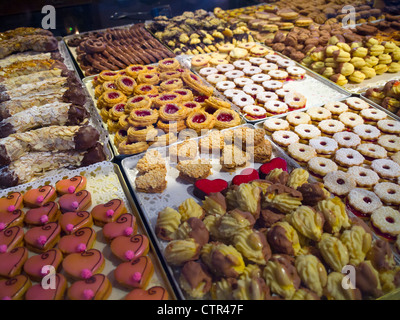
(174, 214)
(165, 128)
(94, 231)
(264, 80)
(357, 145)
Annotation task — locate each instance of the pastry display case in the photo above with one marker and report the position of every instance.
(217, 150)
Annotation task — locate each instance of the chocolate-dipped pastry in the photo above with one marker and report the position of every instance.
(35, 117)
(33, 164)
(234, 221)
(253, 245)
(312, 193)
(53, 138)
(278, 176)
(282, 198)
(195, 280)
(268, 217)
(381, 255)
(368, 280)
(283, 238)
(215, 203)
(193, 228)
(281, 275)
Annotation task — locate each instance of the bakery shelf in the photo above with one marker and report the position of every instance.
(105, 182)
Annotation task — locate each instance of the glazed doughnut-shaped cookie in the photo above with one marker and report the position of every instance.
(259, 78)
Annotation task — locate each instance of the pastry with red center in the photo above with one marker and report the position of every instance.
(107, 75)
(386, 222)
(172, 112)
(226, 118)
(192, 106)
(144, 88)
(143, 117)
(137, 134)
(169, 64)
(117, 111)
(133, 70)
(200, 120)
(111, 97)
(171, 84)
(166, 98)
(138, 101)
(186, 94)
(148, 78)
(254, 112)
(125, 84)
(171, 126)
(129, 147)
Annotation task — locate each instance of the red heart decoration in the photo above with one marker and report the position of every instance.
(125, 225)
(12, 202)
(131, 248)
(154, 293)
(11, 262)
(203, 187)
(70, 222)
(49, 212)
(34, 265)
(42, 238)
(247, 175)
(136, 273)
(10, 238)
(38, 292)
(97, 287)
(275, 163)
(38, 197)
(14, 288)
(83, 239)
(83, 265)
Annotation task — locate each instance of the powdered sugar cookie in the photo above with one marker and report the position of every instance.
(347, 139)
(284, 138)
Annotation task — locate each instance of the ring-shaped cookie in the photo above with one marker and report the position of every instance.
(136, 134)
(226, 118)
(172, 112)
(200, 120)
(143, 117)
(126, 147)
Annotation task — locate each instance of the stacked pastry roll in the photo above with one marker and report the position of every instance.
(44, 124)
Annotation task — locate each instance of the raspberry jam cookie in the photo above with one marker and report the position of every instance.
(251, 71)
(302, 153)
(254, 112)
(253, 89)
(307, 132)
(338, 182)
(225, 85)
(272, 125)
(231, 75)
(318, 114)
(272, 85)
(242, 100)
(386, 169)
(356, 104)
(347, 157)
(389, 126)
(386, 222)
(267, 67)
(364, 177)
(225, 67)
(259, 78)
(388, 192)
(367, 132)
(390, 142)
(285, 138)
(275, 107)
(265, 96)
(324, 146)
(257, 61)
(204, 72)
(372, 116)
(296, 118)
(350, 119)
(363, 202)
(295, 72)
(330, 127)
(215, 78)
(347, 139)
(278, 75)
(319, 167)
(243, 81)
(336, 108)
(241, 64)
(295, 100)
(372, 152)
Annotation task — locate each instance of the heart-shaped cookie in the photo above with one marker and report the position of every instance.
(71, 185)
(10, 219)
(131, 248)
(275, 163)
(39, 292)
(10, 238)
(97, 287)
(14, 288)
(125, 225)
(70, 222)
(154, 293)
(84, 265)
(247, 175)
(49, 212)
(34, 198)
(75, 202)
(136, 273)
(33, 267)
(12, 202)
(42, 238)
(11, 262)
(108, 212)
(81, 240)
(203, 187)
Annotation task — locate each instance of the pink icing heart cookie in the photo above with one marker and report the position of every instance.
(108, 212)
(12, 202)
(71, 185)
(11, 219)
(70, 222)
(84, 265)
(75, 201)
(136, 273)
(34, 198)
(38, 292)
(49, 212)
(42, 238)
(14, 288)
(125, 225)
(80, 241)
(97, 287)
(33, 267)
(11, 262)
(131, 248)
(247, 175)
(154, 293)
(10, 238)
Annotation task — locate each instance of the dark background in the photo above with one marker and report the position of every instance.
(86, 15)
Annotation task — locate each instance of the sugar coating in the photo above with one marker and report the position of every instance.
(373, 114)
(372, 150)
(276, 106)
(386, 168)
(331, 126)
(336, 107)
(364, 200)
(357, 103)
(349, 157)
(297, 118)
(276, 124)
(323, 144)
(307, 131)
(389, 192)
(367, 131)
(364, 177)
(339, 182)
(285, 137)
(322, 166)
(347, 139)
(387, 220)
(389, 126)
